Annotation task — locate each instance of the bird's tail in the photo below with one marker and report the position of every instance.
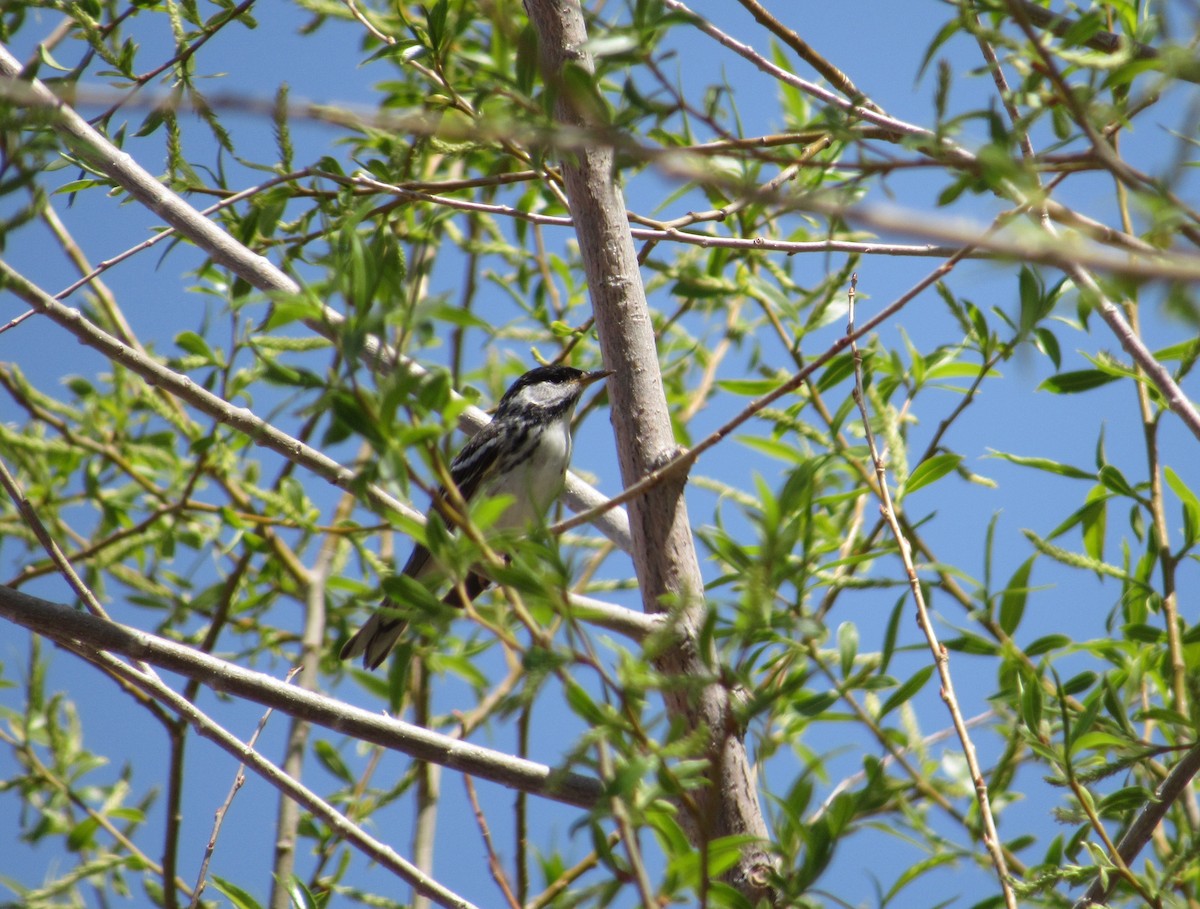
(375, 640)
(377, 637)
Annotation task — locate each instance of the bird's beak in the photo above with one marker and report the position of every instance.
(589, 378)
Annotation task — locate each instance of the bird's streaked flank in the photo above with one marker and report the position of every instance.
(522, 453)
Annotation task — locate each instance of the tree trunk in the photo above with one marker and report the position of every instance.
(664, 552)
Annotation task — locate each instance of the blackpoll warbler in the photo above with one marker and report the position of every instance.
(523, 453)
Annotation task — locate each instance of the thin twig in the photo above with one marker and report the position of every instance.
(213, 731)
(495, 866)
(367, 23)
(239, 780)
(941, 658)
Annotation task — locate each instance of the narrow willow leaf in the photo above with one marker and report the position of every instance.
(1031, 702)
(1048, 644)
(238, 898)
(918, 869)
(1055, 467)
(889, 636)
(749, 387)
(812, 704)
(906, 691)
(930, 471)
(847, 635)
(1115, 480)
(1069, 383)
(1095, 528)
(1047, 343)
(1191, 504)
(1012, 602)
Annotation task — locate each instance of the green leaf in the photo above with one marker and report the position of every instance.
(972, 644)
(190, 342)
(750, 387)
(839, 368)
(1055, 467)
(916, 870)
(889, 635)
(1047, 343)
(847, 635)
(1095, 527)
(81, 835)
(45, 56)
(1032, 701)
(906, 691)
(930, 471)
(1048, 644)
(1012, 602)
(1069, 383)
(238, 898)
(1115, 480)
(1191, 504)
(774, 448)
(1184, 350)
(1130, 798)
(331, 759)
(583, 705)
(814, 703)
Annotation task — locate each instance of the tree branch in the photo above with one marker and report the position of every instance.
(663, 549)
(1138, 834)
(65, 625)
(377, 850)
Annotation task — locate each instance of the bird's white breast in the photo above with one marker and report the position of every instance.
(536, 483)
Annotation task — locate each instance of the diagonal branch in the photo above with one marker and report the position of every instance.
(1138, 835)
(71, 628)
(293, 788)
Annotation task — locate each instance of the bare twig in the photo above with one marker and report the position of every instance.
(991, 838)
(805, 51)
(367, 23)
(239, 780)
(376, 850)
(495, 866)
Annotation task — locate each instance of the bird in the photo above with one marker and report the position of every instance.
(523, 453)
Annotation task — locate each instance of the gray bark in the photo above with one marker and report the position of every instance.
(664, 552)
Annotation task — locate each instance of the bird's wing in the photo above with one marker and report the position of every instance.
(469, 469)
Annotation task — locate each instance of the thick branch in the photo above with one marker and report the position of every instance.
(663, 549)
(1143, 826)
(61, 623)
